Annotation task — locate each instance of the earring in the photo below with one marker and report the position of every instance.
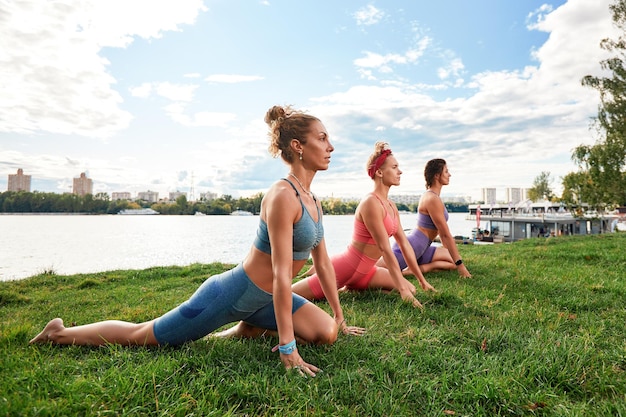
(301, 156)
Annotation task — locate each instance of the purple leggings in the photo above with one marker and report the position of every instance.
(421, 245)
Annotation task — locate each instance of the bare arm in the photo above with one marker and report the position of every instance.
(282, 211)
(435, 209)
(326, 274)
(411, 260)
(372, 214)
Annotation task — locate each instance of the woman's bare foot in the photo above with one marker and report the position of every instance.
(46, 335)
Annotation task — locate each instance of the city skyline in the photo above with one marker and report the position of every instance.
(489, 194)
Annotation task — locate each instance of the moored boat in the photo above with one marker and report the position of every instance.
(241, 213)
(539, 219)
(141, 211)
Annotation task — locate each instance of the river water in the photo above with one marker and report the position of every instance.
(32, 244)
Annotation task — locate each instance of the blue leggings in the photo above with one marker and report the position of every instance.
(421, 245)
(225, 298)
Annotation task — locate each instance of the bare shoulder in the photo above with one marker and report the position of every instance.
(366, 202)
(368, 206)
(431, 199)
(278, 190)
(429, 202)
(280, 198)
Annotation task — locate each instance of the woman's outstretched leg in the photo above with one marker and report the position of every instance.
(96, 334)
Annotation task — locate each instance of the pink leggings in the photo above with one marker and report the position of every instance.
(353, 270)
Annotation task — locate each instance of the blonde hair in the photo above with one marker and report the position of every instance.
(286, 124)
(380, 147)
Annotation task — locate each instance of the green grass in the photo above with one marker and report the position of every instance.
(540, 330)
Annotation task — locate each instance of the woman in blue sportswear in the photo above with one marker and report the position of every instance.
(258, 290)
(432, 220)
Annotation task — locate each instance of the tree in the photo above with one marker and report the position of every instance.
(577, 186)
(102, 196)
(541, 188)
(605, 161)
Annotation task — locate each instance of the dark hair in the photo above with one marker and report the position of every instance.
(433, 167)
(286, 124)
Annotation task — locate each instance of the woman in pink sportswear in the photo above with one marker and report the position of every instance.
(376, 219)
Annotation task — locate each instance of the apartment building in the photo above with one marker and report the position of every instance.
(149, 196)
(120, 195)
(489, 195)
(82, 185)
(19, 181)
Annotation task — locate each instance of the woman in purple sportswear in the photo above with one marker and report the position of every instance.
(432, 220)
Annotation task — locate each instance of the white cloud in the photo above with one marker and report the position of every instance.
(142, 91)
(368, 15)
(177, 112)
(232, 78)
(384, 62)
(176, 92)
(366, 74)
(55, 46)
(219, 119)
(180, 96)
(526, 120)
(573, 49)
(116, 22)
(537, 17)
(496, 128)
(374, 60)
(453, 69)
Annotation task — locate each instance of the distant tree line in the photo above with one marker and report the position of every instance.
(41, 202)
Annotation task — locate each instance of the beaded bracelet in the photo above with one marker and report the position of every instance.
(287, 349)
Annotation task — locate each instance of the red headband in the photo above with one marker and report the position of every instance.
(378, 162)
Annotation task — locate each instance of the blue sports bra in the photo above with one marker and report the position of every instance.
(307, 233)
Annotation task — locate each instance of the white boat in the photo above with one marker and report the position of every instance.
(142, 211)
(542, 219)
(241, 213)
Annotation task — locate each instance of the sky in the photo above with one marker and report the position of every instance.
(170, 95)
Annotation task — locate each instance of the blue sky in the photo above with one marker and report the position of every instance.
(160, 95)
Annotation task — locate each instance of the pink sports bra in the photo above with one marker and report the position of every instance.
(361, 234)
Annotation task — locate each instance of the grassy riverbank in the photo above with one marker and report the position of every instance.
(539, 330)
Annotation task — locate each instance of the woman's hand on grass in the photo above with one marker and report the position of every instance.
(349, 330)
(463, 272)
(352, 330)
(426, 286)
(410, 298)
(294, 361)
